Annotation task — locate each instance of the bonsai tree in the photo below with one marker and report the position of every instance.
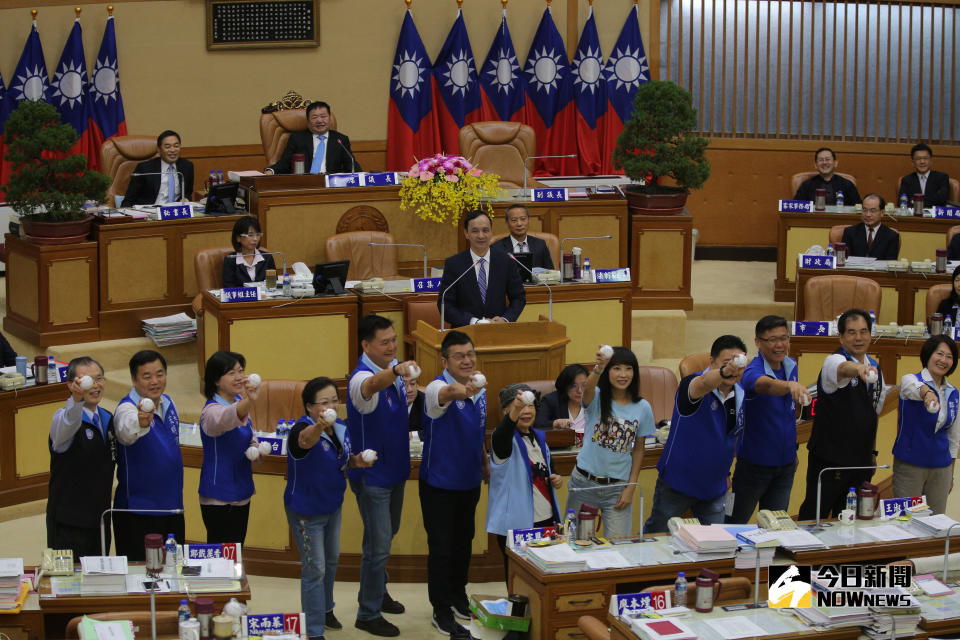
(46, 183)
(658, 141)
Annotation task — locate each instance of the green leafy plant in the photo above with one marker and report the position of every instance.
(658, 141)
(47, 184)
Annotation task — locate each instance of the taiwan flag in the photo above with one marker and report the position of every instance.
(107, 103)
(411, 122)
(6, 106)
(500, 77)
(457, 91)
(550, 108)
(590, 93)
(30, 80)
(625, 71)
(70, 94)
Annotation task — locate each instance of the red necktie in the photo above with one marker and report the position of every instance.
(870, 239)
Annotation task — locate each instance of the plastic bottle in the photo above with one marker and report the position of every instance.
(586, 273)
(873, 323)
(212, 180)
(183, 612)
(281, 425)
(680, 590)
(839, 198)
(948, 326)
(852, 499)
(830, 251)
(219, 176)
(286, 284)
(904, 204)
(569, 525)
(52, 376)
(172, 561)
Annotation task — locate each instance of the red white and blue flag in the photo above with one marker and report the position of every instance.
(550, 109)
(458, 99)
(500, 78)
(6, 106)
(69, 93)
(411, 123)
(590, 93)
(625, 71)
(105, 88)
(30, 80)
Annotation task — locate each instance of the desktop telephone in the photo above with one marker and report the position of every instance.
(674, 523)
(57, 562)
(374, 285)
(775, 520)
(12, 380)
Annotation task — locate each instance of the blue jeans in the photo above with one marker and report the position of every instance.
(667, 503)
(380, 509)
(617, 523)
(758, 484)
(318, 541)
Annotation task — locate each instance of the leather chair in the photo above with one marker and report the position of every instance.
(693, 363)
(416, 308)
(276, 127)
(365, 261)
(826, 297)
(799, 178)
(500, 147)
(277, 400)
(836, 233)
(952, 231)
(593, 628)
(954, 190)
(167, 623)
(553, 244)
(733, 589)
(208, 269)
(658, 385)
(935, 295)
(119, 156)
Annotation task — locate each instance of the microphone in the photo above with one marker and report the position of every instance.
(353, 160)
(103, 535)
(549, 289)
(266, 253)
(443, 307)
(525, 192)
(163, 173)
(818, 526)
(404, 244)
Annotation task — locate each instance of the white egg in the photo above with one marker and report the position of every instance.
(483, 321)
(933, 406)
(254, 380)
(86, 382)
(606, 351)
(527, 397)
(146, 405)
(871, 376)
(479, 380)
(252, 453)
(329, 416)
(265, 448)
(368, 455)
(413, 372)
(740, 361)
(805, 400)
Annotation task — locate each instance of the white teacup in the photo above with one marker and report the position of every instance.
(847, 516)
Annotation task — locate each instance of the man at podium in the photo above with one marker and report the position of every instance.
(481, 283)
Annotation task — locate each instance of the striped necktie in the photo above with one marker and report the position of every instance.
(482, 280)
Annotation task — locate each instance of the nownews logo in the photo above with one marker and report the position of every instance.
(845, 585)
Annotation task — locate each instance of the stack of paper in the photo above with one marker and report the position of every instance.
(556, 557)
(792, 539)
(170, 329)
(888, 533)
(703, 542)
(91, 629)
(834, 617)
(103, 575)
(907, 618)
(751, 552)
(211, 574)
(10, 571)
(937, 525)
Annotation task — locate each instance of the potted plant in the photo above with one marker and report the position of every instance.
(658, 142)
(48, 186)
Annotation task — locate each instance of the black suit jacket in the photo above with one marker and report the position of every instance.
(8, 357)
(338, 160)
(537, 246)
(462, 301)
(144, 189)
(953, 250)
(415, 419)
(936, 193)
(552, 407)
(886, 242)
(235, 275)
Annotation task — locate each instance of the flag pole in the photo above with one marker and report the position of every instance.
(33, 14)
(109, 10)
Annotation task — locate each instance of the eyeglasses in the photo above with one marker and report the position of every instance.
(775, 340)
(457, 357)
(872, 210)
(251, 236)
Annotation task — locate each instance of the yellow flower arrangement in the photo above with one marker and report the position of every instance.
(443, 187)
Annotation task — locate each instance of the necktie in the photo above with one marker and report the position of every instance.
(96, 423)
(172, 184)
(923, 184)
(521, 247)
(870, 239)
(318, 154)
(482, 281)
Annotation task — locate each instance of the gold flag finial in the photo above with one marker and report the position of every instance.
(33, 13)
(110, 10)
(77, 10)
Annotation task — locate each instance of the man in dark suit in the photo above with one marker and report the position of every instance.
(335, 156)
(934, 185)
(489, 289)
(825, 161)
(162, 180)
(870, 238)
(519, 241)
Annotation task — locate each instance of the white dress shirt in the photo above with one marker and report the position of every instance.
(165, 170)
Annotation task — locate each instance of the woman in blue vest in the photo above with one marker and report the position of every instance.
(318, 453)
(928, 435)
(226, 477)
(522, 483)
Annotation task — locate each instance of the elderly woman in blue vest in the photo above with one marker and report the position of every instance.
(522, 485)
(925, 450)
(318, 453)
(617, 420)
(149, 495)
(226, 477)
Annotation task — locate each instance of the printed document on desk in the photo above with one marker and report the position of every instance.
(108, 565)
(736, 627)
(604, 560)
(889, 533)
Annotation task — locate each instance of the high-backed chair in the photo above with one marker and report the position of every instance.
(208, 269)
(935, 295)
(803, 176)
(693, 363)
(553, 244)
(826, 297)
(167, 622)
(365, 261)
(276, 127)
(501, 148)
(658, 385)
(416, 308)
(836, 233)
(278, 399)
(119, 156)
(954, 190)
(952, 231)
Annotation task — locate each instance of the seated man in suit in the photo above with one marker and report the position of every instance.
(162, 180)
(825, 161)
(870, 238)
(490, 287)
(335, 155)
(934, 185)
(519, 241)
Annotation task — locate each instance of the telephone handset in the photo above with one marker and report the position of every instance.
(12, 380)
(775, 520)
(373, 284)
(57, 562)
(674, 523)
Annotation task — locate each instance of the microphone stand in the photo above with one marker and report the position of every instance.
(404, 244)
(549, 289)
(353, 160)
(103, 535)
(526, 193)
(443, 308)
(818, 526)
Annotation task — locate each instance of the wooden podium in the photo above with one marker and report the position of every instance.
(506, 353)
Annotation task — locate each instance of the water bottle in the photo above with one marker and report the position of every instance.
(852, 499)
(948, 326)
(904, 205)
(183, 612)
(281, 426)
(680, 590)
(585, 273)
(873, 323)
(172, 560)
(286, 284)
(569, 526)
(52, 376)
(219, 176)
(839, 198)
(212, 180)
(830, 251)
(953, 312)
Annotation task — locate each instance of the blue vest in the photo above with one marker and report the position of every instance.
(150, 471)
(315, 482)
(385, 431)
(699, 451)
(770, 425)
(453, 443)
(510, 505)
(918, 440)
(226, 473)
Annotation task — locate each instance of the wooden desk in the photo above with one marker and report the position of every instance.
(919, 239)
(620, 630)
